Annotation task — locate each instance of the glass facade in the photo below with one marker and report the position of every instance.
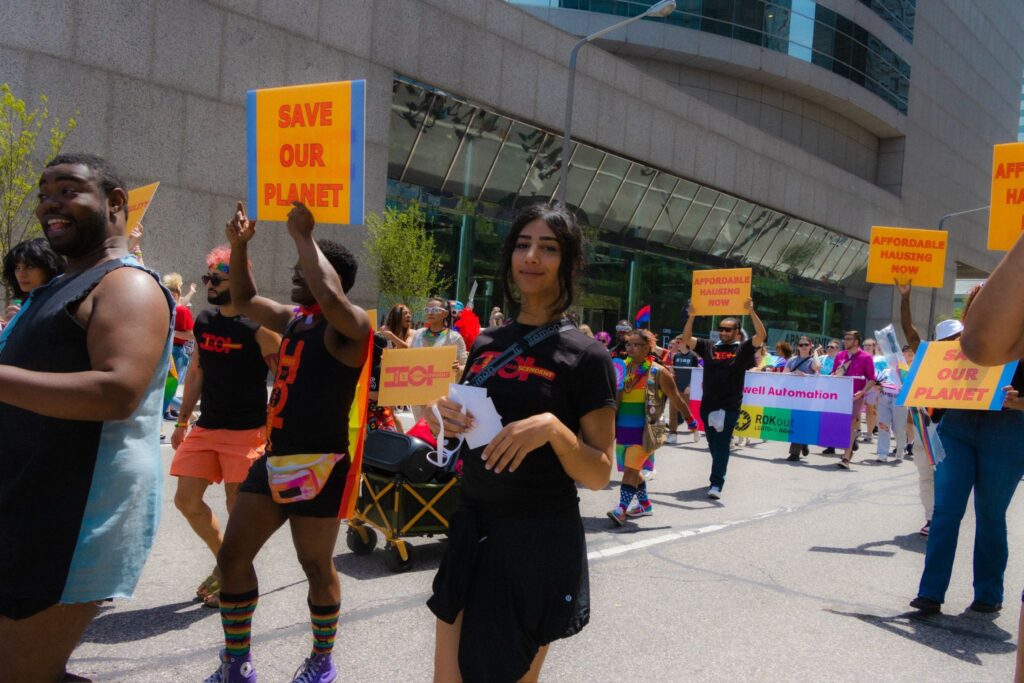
(897, 13)
(800, 28)
(470, 168)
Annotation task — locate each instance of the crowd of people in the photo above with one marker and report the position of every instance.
(90, 333)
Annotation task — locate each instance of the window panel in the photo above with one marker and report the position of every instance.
(783, 237)
(602, 191)
(772, 225)
(759, 218)
(582, 169)
(714, 223)
(654, 201)
(841, 244)
(699, 209)
(628, 199)
(439, 139)
(543, 177)
(732, 229)
(476, 157)
(409, 105)
(513, 162)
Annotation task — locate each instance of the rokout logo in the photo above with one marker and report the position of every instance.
(415, 376)
(743, 423)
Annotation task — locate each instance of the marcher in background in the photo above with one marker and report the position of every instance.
(438, 331)
(682, 360)
(184, 341)
(892, 418)
(497, 318)
(803, 363)
(397, 328)
(28, 265)
(585, 329)
(783, 352)
(622, 331)
(725, 367)
(831, 350)
(870, 345)
(854, 362)
(82, 371)
(604, 338)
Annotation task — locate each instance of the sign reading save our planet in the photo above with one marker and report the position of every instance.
(306, 143)
(941, 376)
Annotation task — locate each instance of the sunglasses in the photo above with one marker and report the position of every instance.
(726, 329)
(215, 280)
(434, 309)
(447, 449)
(623, 328)
(636, 344)
(803, 344)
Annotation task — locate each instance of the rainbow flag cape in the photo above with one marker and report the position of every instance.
(928, 437)
(357, 430)
(171, 384)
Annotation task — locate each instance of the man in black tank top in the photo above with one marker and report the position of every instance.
(231, 377)
(326, 343)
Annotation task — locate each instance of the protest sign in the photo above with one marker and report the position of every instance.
(942, 377)
(907, 255)
(1006, 214)
(808, 409)
(139, 200)
(306, 143)
(721, 292)
(415, 377)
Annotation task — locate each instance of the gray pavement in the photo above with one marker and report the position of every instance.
(802, 572)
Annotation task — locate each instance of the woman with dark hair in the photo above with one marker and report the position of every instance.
(397, 327)
(514, 577)
(28, 265)
(803, 363)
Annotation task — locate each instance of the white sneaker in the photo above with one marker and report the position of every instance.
(671, 439)
(636, 510)
(715, 492)
(695, 433)
(649, 475)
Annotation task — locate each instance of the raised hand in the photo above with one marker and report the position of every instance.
(135, 237)
(904, 290)
(240, 229)
(300, 221)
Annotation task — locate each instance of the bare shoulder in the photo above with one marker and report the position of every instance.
(126, 291)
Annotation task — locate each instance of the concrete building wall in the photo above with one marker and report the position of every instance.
(159, 88)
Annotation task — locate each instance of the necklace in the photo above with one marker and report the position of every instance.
(639, 372)
(431, 337)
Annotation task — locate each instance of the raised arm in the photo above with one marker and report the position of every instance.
(123, 355)
(687, 334)
(267, 312)
(994, 333)
(906, 319)
(760, 334)
(349, 320)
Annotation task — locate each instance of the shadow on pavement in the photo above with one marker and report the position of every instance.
(113, 626)
(632, 526)
(913, 542)
(962, 637)
(426, 556)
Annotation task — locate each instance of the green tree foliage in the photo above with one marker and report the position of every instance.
(21, 131)
(405, 256)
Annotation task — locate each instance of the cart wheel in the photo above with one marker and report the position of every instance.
(355, 542)
(393, 559)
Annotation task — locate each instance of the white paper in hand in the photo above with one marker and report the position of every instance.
(481, 407)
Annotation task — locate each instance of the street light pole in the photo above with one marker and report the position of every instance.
(658, 9)
(931, 306)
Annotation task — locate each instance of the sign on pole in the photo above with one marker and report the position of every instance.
(1006, 214)
(907, 255)
(139, 200)
(942, 377)
(721, 292)
(306, 143)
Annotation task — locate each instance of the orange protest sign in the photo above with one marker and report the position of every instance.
(721, 292)
(907, 255)
(139, 200)
(306, 143)
(414, 377)
(942, 377)
(1006, 215)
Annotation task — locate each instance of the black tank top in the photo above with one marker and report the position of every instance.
(234, 372)
(309, 404)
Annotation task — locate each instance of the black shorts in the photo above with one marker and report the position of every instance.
(326, 504)
(519, 582)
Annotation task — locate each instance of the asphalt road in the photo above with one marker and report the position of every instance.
(801, 572)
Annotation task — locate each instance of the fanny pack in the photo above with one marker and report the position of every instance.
(299, 477)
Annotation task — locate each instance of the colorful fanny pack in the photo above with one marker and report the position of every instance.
(299, 477)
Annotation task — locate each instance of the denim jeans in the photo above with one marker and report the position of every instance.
(181, 361)
(983, 453)
(718, 442)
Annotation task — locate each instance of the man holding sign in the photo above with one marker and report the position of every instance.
(725, 367)
(302, 479)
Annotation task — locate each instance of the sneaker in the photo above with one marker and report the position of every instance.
(985, 607)
(671, 439)
(843, 464)
(634, 511)
(909, 450)
(882, 459)
(868, 439)
(649, 475)
(617, 515)
(715, 493)
(316, 669)
(829, 451)
(694, 432)
(875, 430)
(926, 528)
(926, 605)
(233, 670)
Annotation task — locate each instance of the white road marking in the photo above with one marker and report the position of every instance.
(614, 550)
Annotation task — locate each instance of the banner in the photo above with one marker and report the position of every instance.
(139, 200)
(775, 335)
(808, 409)
(1006, 214)
(941, 376)
(906, 254)
(306, 143)
(415, 377)
(721, 292)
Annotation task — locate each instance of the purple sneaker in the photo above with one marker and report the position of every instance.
(233, 670)
(316, 669)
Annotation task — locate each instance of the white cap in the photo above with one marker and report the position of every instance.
(947, 329)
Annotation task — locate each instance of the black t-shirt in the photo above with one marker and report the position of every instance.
(725, 366)
(682, 360)
(234, 394)
(380, 342)
(568, 375)
(312, 395)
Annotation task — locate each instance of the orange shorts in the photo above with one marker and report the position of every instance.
(219, 454)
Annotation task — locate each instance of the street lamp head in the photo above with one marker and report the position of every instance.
(661, 9)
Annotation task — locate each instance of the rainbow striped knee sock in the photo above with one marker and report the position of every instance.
(236, 611)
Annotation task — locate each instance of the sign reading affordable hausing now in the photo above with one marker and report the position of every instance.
(907, 255)
(306, 143)
(942, 377)
(1006, 213)
(721, 292)
(813, 410)
(415, 377)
